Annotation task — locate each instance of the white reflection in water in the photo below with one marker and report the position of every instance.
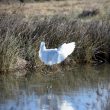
(82, 100)
(49, 102)
(67, 106)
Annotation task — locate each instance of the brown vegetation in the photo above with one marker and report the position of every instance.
(21, 33)
(21, 38)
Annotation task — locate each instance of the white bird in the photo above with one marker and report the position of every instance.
(55, 56)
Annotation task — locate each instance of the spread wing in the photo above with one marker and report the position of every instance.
(66, 49)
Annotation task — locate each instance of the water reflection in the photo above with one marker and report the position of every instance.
(82, 88)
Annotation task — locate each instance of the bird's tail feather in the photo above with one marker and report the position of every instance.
(67, 49)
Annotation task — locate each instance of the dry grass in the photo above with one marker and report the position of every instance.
(21, 38)
(55, 7)
(22, 29)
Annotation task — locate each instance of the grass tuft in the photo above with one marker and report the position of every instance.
(21, 38)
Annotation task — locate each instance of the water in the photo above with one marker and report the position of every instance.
(80, 88)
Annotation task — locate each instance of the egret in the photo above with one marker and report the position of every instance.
(57, 55)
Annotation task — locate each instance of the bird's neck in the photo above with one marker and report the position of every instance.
(42, 47)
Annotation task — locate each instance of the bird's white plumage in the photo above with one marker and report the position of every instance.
(55, 56)
(66, 49)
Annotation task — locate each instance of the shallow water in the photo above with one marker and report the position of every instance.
(81, 88)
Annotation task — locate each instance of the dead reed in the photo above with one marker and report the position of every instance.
(21, 38)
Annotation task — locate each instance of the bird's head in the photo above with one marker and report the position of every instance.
(42, 45)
